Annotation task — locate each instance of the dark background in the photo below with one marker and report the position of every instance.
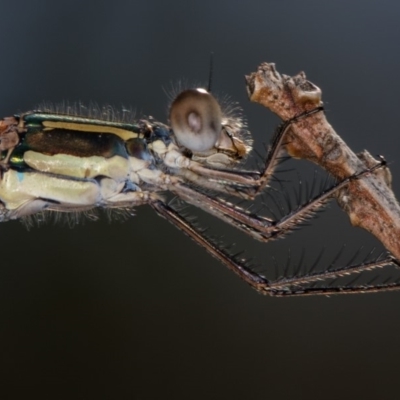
(136, 310)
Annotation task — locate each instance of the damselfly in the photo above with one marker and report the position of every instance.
(73, 159)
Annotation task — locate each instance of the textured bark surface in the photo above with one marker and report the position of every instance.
(369, 202)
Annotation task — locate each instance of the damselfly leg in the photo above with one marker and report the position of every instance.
(265, 229)
(295, 286)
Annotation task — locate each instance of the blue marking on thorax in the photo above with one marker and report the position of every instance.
(20, 176)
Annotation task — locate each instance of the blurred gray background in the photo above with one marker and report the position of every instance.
(137, 310)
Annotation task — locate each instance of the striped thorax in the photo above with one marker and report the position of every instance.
(64, 162)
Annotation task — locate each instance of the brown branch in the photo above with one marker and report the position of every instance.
(369, 202)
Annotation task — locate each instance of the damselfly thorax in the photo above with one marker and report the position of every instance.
(69, 162)
(64, 162)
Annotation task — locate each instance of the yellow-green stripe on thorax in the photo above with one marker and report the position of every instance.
(59, 144)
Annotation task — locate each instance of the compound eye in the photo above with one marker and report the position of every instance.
(195, 117)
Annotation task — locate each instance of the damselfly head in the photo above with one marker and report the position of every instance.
(200, 126)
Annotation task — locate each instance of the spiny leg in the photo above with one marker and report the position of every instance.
(237, 266)
(299, 281)
(246, 184)
(262, 228)
(258, 282)
(331, 290)
(249, 184)
(277, 142)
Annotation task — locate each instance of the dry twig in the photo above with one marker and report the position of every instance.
(369, 202)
